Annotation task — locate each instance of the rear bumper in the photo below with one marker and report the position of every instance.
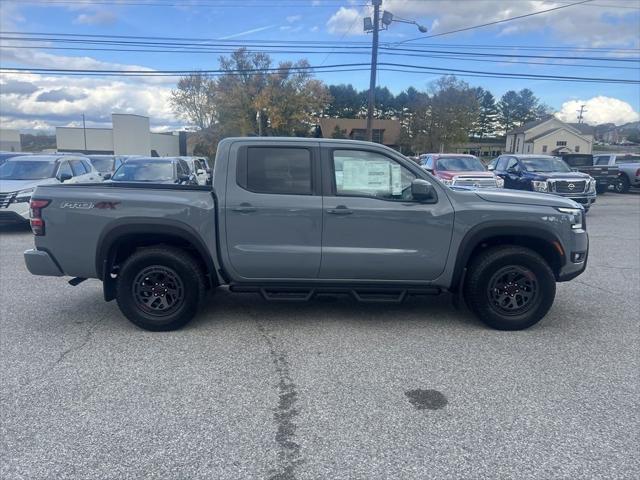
(41, 263)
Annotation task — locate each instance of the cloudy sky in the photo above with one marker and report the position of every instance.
(599, 29)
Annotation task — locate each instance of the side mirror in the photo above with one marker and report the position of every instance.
(201, 171)
(63, 177)
(514, 171)
(106, 176)
(422, 191)
(183, 178)
(491, 168)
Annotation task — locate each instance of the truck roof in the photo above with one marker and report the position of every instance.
(301, 140)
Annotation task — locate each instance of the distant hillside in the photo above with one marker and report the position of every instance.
(37, 143)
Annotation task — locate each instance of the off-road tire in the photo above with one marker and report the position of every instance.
(178, 265)
(602, 189)
(480, 277)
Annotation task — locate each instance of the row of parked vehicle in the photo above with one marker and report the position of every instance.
(21, 173)
(579, 177)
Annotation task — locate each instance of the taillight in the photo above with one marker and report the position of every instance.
(35, 214)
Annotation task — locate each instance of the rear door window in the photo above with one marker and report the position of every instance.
(284, 171)
(603, 160)
(65, 168)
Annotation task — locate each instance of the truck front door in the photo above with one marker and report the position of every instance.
(373, 228)
(273, 212)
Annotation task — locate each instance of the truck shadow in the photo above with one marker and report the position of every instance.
(438, 311)
(15, 229)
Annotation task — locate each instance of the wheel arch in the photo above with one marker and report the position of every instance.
(542, 241)
(120, 240)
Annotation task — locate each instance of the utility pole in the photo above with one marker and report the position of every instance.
(374, 27)
(581, 113)
(374, 68)
(84, 132)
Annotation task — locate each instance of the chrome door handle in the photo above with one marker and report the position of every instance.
(340, 210)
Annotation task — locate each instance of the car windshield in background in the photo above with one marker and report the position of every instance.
(460, 164)
(628, 159)
(542, 164)
(26, 170)
(141, 171)
(102, 164)
(579, 160)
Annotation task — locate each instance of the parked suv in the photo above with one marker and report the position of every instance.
(628, 165)
(459, 170)
(546, 174)
(20, 175)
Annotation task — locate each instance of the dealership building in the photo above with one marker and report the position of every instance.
(129, 135)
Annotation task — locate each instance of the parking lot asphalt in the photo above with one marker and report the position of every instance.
(330, 389)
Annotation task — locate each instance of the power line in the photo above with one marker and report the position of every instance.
(257, 71)
(496, 22)
(457, 56)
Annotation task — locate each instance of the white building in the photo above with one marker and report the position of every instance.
(130, 135)
(550, 136)
(10, 140)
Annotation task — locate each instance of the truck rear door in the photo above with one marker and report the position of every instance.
(273, 211)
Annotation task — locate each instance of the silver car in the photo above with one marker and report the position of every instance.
(19, 176)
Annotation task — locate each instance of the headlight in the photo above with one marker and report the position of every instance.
(575, 215)
(499, 182)
(592, 186)
(540, 186)
(24, 195)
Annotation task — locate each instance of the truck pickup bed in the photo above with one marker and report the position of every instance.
(291, 218)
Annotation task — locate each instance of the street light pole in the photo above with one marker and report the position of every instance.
(84, 132)
(374, 68)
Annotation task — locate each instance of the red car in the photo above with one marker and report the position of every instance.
(460, 170)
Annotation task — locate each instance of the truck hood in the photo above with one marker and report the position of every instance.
(17, 185)
(525, 198)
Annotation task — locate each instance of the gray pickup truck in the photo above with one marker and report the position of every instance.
(628, 165)
(293, 218)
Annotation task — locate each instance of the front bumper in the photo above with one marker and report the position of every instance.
(40, 262)
(579, 244)
(583, 199)
(16, 212)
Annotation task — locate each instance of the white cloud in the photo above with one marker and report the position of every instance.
(102, 17)
(582, 25)
(294, 18)
(599, 110)
(346, 21)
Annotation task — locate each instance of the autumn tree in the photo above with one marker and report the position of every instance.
(194, 100)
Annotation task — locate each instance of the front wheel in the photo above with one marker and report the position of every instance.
(160, 288)
(510, 288)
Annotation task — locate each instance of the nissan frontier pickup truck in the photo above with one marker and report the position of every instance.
(291, 218)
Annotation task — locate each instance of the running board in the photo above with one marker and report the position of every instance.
(365, 294)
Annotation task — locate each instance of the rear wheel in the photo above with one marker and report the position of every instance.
(622, 185)
(160, 288)
(510, 288)
(601, 189)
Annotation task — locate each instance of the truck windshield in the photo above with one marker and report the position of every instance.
(542, 164)
(26, 170)
(460, 164)
(151, 171)
(102, 164)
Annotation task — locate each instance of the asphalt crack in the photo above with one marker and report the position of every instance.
(285, 412)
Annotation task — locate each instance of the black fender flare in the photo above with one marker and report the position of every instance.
(145, 226)
(485, 231)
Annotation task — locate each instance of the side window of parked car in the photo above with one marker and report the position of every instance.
(602, 160)
(429, 163)
(65, 168)
(362, 173)
(501, 164)
(87, 166)
(512, 163)
(276, 171)
(182, 167)
(78, 168)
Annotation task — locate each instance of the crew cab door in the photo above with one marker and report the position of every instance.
(511, 172)
(373, 228)
(273, 211)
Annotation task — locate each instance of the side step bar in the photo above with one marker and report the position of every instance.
(365, 294)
